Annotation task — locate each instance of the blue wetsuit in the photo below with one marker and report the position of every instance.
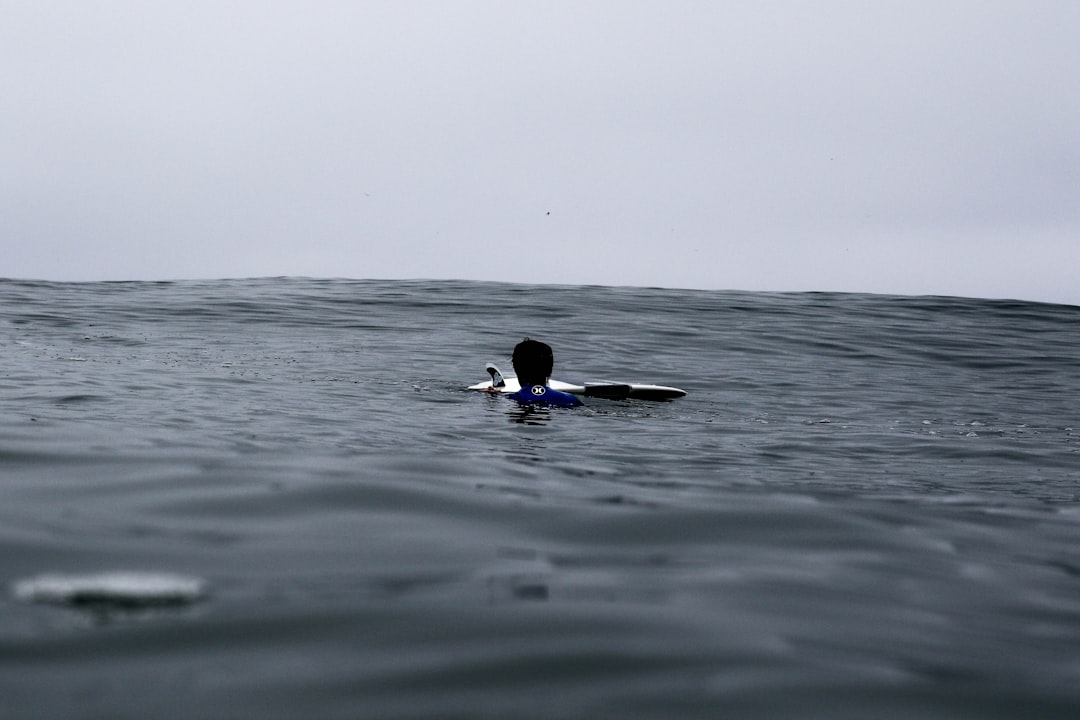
(543, 395)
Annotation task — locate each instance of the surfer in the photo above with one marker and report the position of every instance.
(533, 362)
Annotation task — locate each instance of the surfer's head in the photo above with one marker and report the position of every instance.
(533, 361)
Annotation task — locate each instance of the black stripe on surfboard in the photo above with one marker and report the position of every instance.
(607, 390)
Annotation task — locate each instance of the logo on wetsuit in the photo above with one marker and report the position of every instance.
(538, 389)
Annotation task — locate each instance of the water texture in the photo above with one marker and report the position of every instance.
(866, 506)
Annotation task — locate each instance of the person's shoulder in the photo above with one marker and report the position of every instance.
(563, 398)
(527, 394)
(523, 395)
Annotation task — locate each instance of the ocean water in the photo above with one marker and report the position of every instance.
(274, 498)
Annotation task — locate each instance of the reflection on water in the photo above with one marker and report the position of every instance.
(522, 414)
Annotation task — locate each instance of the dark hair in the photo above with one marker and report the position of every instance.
(533, 361)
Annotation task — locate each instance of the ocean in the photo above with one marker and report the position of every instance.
(275, 498)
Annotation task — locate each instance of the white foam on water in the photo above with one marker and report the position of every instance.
(127, 589)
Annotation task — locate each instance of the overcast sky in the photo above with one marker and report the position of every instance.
(914, 147)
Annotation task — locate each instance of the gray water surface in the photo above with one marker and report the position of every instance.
(866, 506)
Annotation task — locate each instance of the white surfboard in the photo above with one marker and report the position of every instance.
(602, 389)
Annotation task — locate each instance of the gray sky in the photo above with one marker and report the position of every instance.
(910, 147)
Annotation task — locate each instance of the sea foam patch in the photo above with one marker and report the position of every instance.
(129, 590)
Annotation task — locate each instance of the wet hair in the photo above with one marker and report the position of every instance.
(533, 361)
